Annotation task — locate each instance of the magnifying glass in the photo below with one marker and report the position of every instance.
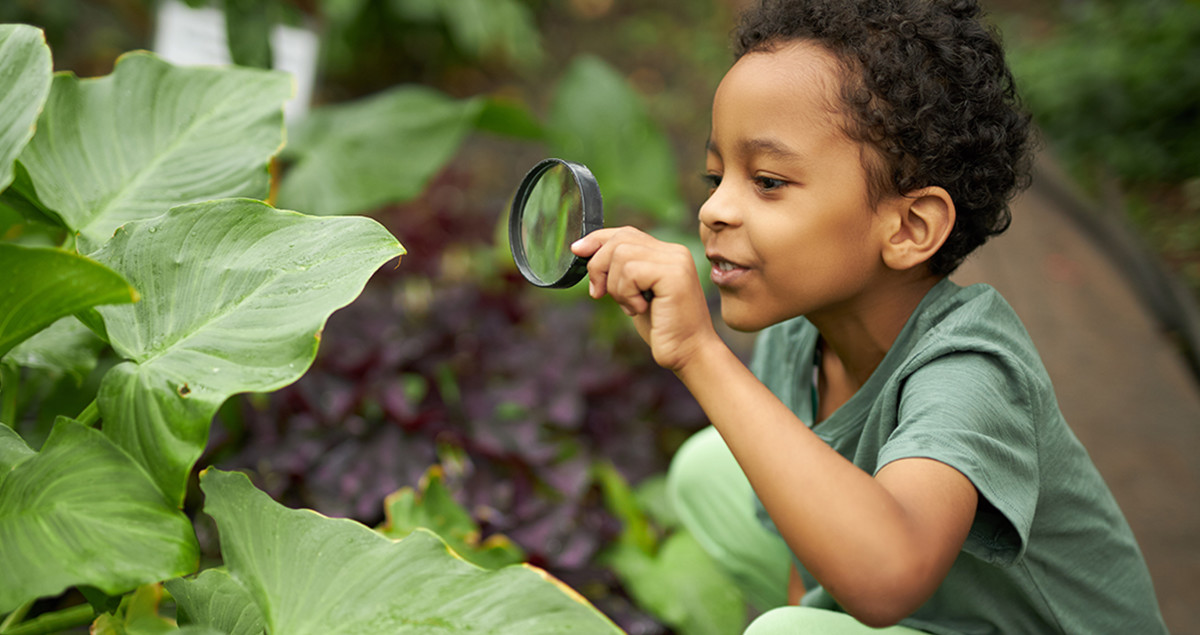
(557, 203)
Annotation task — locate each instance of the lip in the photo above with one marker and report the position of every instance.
(726, 272)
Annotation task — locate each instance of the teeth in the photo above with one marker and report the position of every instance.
(725, 266)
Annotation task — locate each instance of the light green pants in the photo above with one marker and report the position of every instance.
(714, 500)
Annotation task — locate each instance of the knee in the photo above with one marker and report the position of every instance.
(799, 620)
(778, 620)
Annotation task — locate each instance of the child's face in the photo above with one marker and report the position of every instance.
(788, 225)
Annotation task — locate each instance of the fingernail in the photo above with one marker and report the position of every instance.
(591, 288)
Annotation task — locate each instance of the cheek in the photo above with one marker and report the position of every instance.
(813, 255)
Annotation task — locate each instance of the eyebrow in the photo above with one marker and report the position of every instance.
(763, 146)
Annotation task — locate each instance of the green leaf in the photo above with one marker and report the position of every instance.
(621, 501)
(435, 509)
(66, 347)
(82, 512)
(25, 72)
(216, 600)
(53, 283)
(510, 118)
(681, 586)
(675, 580)
(21, 200)
(234, 297)
(13, 450)
(481, 29)
(652, 498)
(137, 614)
(312, 574)
(248, 30)
(599, 120)
(352, 158)
(92, 320)
(151, 136)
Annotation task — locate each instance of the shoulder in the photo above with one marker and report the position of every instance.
(974, 325)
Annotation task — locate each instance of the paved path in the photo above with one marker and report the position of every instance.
(1127, 393)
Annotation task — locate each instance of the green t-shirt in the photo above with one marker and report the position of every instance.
(1049, 550)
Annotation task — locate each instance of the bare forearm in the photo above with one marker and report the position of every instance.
(849, 530)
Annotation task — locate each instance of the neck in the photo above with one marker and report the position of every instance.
(857, 337)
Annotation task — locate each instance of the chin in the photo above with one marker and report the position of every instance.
(747, 317)
(741, 318)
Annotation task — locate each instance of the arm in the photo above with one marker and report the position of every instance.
(880, 545)
(796, 588)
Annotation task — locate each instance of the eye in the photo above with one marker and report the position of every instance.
(767, 184)
(712, 181)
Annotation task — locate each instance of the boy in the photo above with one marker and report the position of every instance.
(899, 430)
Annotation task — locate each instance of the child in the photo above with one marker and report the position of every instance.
(899, 430)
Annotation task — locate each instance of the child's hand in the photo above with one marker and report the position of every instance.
(626, 262)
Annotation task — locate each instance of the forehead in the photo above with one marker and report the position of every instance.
(792, 87)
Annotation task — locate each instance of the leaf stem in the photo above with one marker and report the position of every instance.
(90, 415)
(15, 617)
(54, 622)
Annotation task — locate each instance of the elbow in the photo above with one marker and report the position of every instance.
(883, 600)
(878, 615)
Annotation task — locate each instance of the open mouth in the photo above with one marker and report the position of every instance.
(726, 272)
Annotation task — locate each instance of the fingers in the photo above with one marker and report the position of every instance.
(626, 264)
(587, 247)
(633, 270)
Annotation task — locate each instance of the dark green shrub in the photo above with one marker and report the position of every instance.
(1118, 88)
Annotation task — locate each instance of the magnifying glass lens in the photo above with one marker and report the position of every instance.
(557, 203)
(551, 221)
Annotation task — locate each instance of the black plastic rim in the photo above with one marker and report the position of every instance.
(593, 219)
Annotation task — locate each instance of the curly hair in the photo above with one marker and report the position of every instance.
(926, 86)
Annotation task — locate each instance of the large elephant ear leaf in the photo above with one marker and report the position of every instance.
(352, 158)
(81, 512)
(13, 450)
(215, 600)
(312, 574)
(150, 136)
(25, 72)
(51, 283)
(234, 296)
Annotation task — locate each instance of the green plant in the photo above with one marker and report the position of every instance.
(153, 179)
(436, 32)
(1116, 87)
(663, 566)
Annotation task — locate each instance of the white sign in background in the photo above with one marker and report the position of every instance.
(196, 37)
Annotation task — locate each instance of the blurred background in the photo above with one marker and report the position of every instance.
(541, 410)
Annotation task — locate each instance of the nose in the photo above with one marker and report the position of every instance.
(720, 210)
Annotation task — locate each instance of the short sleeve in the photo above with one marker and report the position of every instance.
(972, 411)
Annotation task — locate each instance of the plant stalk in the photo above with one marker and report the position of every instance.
(90, 415)
(54, 622)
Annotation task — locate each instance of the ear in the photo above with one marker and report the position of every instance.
(918, 224)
